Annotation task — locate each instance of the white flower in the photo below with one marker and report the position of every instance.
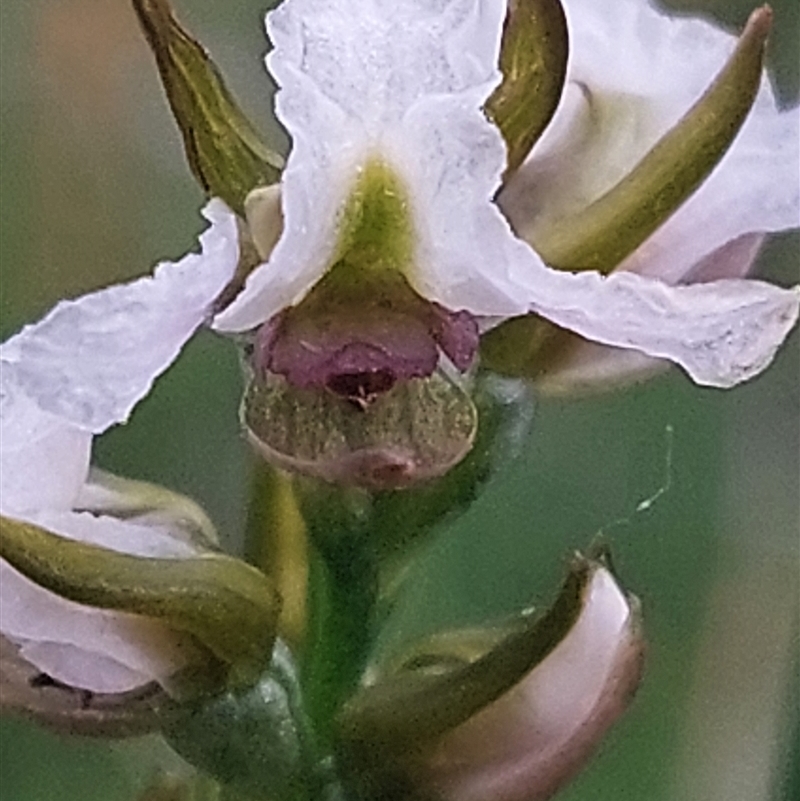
(504, 713)
(403, 84)
(65, 379)
(535, 737)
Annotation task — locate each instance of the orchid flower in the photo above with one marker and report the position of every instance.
(416, 227)
(382, 248)
(633, 73)
(93, 600)
(531, 740)
(388, 194)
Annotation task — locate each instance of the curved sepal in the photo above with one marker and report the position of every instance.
(533, 60)
(506, 713)
(399, 712)
(600, 236)
(224, 603)
(224, 150)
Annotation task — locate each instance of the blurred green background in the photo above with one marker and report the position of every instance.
(95, 189)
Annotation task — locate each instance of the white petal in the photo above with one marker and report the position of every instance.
(148, 505)
(527, 742)
(131, 645)
(721, 333)
(633, 73)
(118, 535)
(92, 359)
(43, 459)
(585, 367)
(734, 259)
(31, 616)
(361, 79)
(82, 669)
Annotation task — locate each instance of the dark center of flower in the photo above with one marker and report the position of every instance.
(358, 341)
(361, 388)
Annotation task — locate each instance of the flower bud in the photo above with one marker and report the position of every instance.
(533, 739)
(175, 621)
(511, 723)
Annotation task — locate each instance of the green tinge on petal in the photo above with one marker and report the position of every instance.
(224, 150)
(400, 713)
(375, 229)
(229, 606)
(533, 60)
(608, 230)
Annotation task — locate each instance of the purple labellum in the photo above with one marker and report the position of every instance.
(359, 347)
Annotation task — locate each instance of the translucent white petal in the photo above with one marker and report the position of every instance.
(131, 645)
(43, 459)
(86, 670)
(633, 73)
(118, 535)
(735, 259)
(32, 616)
(525, 744)
(375, 78)
(92, 359)
(586, 367)
(721, 333)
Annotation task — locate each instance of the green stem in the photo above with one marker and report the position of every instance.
(342, 597)
(327, 556)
